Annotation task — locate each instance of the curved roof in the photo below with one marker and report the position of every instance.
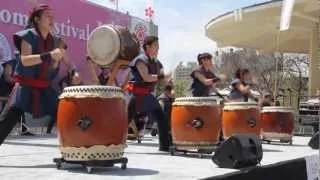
(257, 27)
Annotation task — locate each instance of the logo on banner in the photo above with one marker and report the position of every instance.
(140, 31)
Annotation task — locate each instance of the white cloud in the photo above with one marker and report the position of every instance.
(183, 46)
(182, 35)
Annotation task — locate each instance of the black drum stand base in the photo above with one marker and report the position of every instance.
(90, 164)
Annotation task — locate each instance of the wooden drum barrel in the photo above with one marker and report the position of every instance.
(277, 123)
(92, 123)
(240, 117)
(195, 122)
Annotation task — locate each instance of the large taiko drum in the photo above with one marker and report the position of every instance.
(277, 123)
(92, 123)
(195, 123)
(240, 117)
(106, 44)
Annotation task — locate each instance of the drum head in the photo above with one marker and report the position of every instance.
(240, 105)
(195, 101)
(92, 92)
(277, 109)
(103, 45)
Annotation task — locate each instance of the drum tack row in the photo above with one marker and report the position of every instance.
(199, 123)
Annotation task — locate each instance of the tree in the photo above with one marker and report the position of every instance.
(181, 88)
(289, 81)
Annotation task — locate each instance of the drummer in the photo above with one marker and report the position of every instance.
(203, 78)
(147, 71)
(267, 99)
(165, 100)
(241, 86)
(38, 64)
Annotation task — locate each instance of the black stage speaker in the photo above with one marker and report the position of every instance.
(239, 151)
(314, 141)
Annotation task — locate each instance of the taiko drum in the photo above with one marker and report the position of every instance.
(195, 122)
(240, 117)
(92, 123)
(277, 122)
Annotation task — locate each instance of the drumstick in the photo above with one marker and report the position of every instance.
(220, 95)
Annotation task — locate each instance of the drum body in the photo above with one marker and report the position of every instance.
(106, 44)
(277, 123)
(92, 123)
(195, 123)
(240, 117)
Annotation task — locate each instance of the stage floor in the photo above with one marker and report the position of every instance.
(31, 158)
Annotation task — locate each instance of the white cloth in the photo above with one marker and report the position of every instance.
(313, 101)
(312, 165)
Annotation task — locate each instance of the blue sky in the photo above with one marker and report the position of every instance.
(181, 24)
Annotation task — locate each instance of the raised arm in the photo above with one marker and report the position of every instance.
(203, 79)
(29, 59)
(143, 70)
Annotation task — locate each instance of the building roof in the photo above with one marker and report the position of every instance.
(257, 27)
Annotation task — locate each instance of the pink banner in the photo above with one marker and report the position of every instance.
(74, 20)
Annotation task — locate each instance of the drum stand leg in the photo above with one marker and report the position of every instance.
(286, 141)
(173, 150)
(135, 132)
(280, 140)
(90, 164)
(154, 132)
(266, 140)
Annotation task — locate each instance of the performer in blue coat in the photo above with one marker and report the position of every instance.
(241, 86)
(38, 64)
(147, 71)
(203, 78)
